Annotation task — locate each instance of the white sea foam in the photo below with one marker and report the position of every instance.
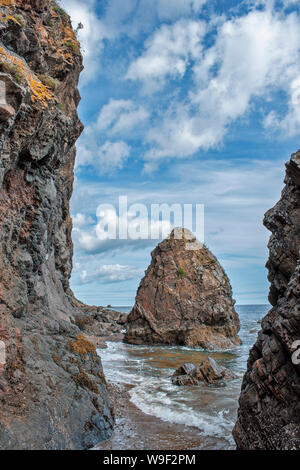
(160, 406)
(209, 409)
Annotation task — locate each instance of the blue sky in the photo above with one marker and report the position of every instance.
(183, 101)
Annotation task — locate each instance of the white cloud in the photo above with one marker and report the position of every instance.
(170, 9)
(91, 36)
(289, 125)
(111, 273)
(252, 57)
(132, 17)
(112, 155)
(168, 53)
(105, 158)
(119, 17)
(104, 236)
(80, 220)
(235, 192)
(288, 3)
(119, 116)
(116, 118)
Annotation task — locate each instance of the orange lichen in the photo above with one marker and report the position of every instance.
(56, 357)
(7, 3)
(83, 380)
(82, 346)
(39, 91)
(12, 18)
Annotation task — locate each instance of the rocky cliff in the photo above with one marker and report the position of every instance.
(185, 298)
(52, 387)
(269, 405)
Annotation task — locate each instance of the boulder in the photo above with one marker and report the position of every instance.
(269, 406)
(208, 372)
(185, 298)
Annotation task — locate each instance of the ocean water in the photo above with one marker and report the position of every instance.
(211, 410)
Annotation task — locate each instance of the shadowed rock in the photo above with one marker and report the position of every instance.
(269, 404)
(185, 298)
(207, 372)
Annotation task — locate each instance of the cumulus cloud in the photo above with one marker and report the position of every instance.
(91, 36)
(167, 53)
(116, 119)
(252, 57)
(120, 17)
(235, 192)
(132, 229)
(119, 116)
(80, 220)
(134, 17)
(111, 273)
(112, 155)
(170, 9)
(289, 125)
(106, 158)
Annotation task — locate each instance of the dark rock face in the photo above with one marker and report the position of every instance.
(269, 405)
(185, 298)
(52, 388)
(208, 372)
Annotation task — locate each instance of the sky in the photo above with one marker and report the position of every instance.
(183, 102)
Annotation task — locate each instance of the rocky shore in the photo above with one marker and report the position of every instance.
(100, 324)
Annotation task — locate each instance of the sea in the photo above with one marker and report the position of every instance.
(211, 410)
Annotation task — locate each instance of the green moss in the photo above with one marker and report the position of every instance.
(48, 81)
(72, 46)
(20, 20)
(181, 272)
(13, 70)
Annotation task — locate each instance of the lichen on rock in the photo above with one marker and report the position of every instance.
(185, 298)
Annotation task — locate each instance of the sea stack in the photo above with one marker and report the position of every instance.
(269, 404)
(52, 388)
(185, 298)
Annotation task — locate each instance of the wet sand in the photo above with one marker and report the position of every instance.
(135, 430)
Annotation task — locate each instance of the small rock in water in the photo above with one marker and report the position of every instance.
(207, 371)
